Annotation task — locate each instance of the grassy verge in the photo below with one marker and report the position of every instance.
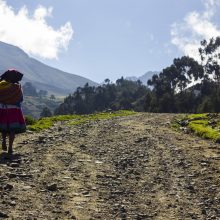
(47, 122)
(204, 125)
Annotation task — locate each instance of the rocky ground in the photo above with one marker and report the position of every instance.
(133, 167)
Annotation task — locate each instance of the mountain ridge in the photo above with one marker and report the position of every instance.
(42, 76)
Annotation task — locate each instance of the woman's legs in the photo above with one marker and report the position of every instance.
(4, 146)
(11, 140)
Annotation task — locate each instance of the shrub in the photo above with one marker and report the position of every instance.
(30, 120)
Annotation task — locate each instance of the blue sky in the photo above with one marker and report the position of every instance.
(101, 39)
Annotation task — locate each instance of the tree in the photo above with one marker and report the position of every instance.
(188, 70)
(173, 81)
(178, 76)
(52, 97)
(210, 55)
(46, 112)
(119, 81)
(107, 81)
(124, 94)
(29, 89)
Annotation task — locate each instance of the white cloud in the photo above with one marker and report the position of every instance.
(32, 33)
(196, 27)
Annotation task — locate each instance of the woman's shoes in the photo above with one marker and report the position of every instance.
(4, 148)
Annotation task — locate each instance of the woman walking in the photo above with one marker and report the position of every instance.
(11, 117)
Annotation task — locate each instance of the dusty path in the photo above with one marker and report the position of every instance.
(132, 167)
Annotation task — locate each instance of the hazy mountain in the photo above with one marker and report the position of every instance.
(144, 78)
(42, 76)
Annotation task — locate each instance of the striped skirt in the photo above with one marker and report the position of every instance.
(11, 119)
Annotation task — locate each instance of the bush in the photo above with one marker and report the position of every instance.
(46, 112)
(30, 120)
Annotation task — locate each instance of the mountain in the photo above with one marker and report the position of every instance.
(42, 76)
(144, 78)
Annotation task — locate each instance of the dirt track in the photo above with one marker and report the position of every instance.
(132, 167)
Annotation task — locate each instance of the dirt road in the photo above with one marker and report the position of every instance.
(133, 167)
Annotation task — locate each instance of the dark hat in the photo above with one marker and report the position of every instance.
(12, 75)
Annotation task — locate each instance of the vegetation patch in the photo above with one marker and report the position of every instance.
(47, 122)
(204, 125)
(100, 116)
(203, 116)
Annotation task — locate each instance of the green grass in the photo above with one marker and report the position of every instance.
(204, 125)
(100, 116)
(47, 122)
(198, 116)
(203, 130)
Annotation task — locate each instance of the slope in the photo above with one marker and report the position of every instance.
(43, 77)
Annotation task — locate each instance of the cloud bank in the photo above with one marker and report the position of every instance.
(32, 33)
(195, 27)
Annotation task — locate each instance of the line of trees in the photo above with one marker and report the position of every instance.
(185, 86)
(124, 94)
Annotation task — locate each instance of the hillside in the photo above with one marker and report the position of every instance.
(130, 167)
(33, 106)
(43, 77)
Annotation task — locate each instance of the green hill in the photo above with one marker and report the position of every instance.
(33, 106)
